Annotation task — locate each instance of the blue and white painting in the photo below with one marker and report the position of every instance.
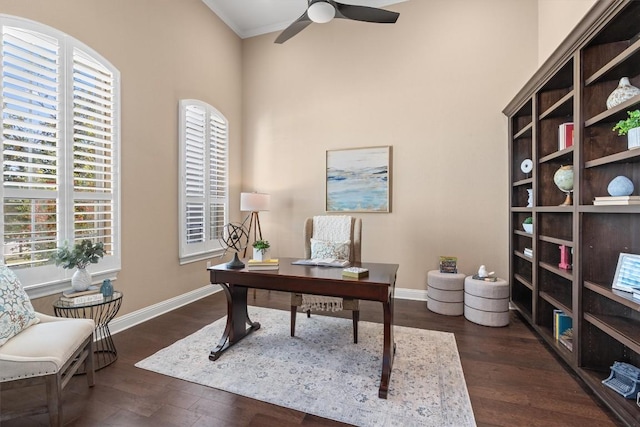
(358, 180)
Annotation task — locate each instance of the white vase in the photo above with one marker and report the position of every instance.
(81, 280)
(261, 254)
(623, 92)
(528, 227)
(633, 138)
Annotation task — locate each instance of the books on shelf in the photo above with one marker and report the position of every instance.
(322, 262)
(83, 299)
(561, 323)
(616, 200)
(448, 264)
(565, 135)
(355, 272)
(528, 252)
(566, 339)
(268, 264)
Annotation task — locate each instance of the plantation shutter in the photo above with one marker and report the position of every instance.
(30, 146)
(204, 186)
(93, 151)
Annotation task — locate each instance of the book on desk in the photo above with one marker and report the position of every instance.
(322, 262)
(268, 264)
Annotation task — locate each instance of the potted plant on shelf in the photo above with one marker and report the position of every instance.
(631, 128)
(80, 256)
(527, 224)
(261, 250)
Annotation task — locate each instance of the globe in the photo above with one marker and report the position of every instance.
(564, 180)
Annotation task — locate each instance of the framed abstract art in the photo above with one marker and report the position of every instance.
(359, 180)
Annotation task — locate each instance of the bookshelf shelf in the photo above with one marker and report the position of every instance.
(573, 86)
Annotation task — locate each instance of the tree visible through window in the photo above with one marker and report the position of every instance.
(60, 137)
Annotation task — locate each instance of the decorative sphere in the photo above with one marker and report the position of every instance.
(620, 186)
(564, 178)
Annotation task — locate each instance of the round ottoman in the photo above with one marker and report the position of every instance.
(486, 303)
(445, 293)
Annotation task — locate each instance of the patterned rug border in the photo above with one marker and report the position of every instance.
(322, 372)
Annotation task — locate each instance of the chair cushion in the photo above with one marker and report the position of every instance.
(42, 349)
(330, 250)
(16, 311)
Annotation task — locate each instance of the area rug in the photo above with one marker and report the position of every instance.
(322, 372)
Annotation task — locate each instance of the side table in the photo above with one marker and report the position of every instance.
(102, 312)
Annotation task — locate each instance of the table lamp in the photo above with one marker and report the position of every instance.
(254, 203)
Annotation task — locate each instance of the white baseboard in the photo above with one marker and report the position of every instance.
(121, 323)
(126, 321)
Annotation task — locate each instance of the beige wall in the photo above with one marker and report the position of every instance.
(556, 18)
(165, 50)
(432, 86)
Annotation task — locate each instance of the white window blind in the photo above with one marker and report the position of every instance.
(59, 151)
(204, 183)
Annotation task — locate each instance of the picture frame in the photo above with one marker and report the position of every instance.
(627, 277)
(358, 180)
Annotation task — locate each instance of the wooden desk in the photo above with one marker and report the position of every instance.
(379, 286)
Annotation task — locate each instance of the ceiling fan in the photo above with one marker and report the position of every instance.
(323, 11)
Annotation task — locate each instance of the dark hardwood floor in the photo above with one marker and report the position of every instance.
(512, 378)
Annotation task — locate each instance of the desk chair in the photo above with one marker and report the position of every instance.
(343, 228)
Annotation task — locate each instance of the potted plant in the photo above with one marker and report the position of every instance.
(261, 250)
(80, 256)
(631, 128)
(527, 224)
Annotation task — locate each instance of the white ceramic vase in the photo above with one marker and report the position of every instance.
(624, 91)
(81, 280)
(528, 227)
(633, 138)
(261, 254)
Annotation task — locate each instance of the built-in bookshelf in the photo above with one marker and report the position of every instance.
(572, 87)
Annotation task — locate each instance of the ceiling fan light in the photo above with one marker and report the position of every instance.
(321, 12)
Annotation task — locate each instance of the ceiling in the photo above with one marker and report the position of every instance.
(250, 18)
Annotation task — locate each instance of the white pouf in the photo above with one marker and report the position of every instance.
(486, 303)
(445, 293)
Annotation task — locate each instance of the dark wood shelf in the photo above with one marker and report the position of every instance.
(625, 64)
(573, 86)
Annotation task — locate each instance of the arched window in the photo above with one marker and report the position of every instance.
(60, 152)
(204, 183)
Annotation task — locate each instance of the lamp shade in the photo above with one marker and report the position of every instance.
(254, 202)
(321, 12)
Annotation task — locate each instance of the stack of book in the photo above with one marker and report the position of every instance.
(72, 297)
(448, 264)
(528, 252)
(269, 264)
(562, 328)
(616, 200)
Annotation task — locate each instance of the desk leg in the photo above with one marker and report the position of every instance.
(388, 350)
(237, 318)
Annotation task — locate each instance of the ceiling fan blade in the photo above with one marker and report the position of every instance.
(293, 29)
(365, 13)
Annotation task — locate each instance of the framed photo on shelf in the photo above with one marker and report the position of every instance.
(627, 277)
(359, 180)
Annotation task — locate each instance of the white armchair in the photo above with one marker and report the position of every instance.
(349, 230)
(39, 349)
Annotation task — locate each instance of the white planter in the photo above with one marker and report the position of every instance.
(81, 280)
(528, 228)
(633, 138)
(261, 254)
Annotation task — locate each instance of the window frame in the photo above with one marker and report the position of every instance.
(199, 251)
(49, 279)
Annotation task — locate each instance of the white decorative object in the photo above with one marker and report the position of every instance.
(623, 92)
(527, 227)
(261, 254)
(620, 186)
(530, 197)
(81, 280)
(526, 166)
(633, 138)
(482, 272)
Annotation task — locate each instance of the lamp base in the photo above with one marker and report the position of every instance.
(235, 263)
